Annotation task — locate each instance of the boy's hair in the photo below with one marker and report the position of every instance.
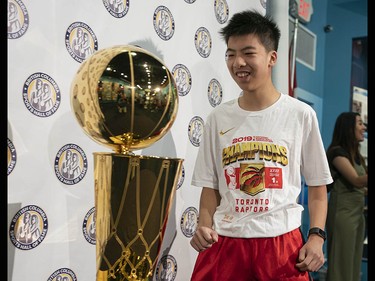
(253, 22)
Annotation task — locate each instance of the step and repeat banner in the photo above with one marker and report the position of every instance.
(51, 188)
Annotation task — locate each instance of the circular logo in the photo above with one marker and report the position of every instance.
(63, 274)
(203, 42)
(70, 164)
(221, 11)
(12, 156)
(164, 23)
(89, 226)
(18, 19)
(182, 77)
(80, 41)
(28, 227)
(190, 1)
(117, 8)
(166, 268)
(41, 95)
(189, 221)
(214, 92)
(181, 178)
(195, 130)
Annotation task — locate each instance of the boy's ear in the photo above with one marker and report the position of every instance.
(273, 58)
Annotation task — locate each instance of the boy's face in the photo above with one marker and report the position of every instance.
(248, 62)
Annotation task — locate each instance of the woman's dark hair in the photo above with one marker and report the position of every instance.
(344, 136)
(253, 22)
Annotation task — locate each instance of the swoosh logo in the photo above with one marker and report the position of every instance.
(224, 132)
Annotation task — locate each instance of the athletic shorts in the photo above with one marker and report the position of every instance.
(252, 259)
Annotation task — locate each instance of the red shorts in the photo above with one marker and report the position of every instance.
(252, 259)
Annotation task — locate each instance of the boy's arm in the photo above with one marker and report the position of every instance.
(205, 236)
(311, 256)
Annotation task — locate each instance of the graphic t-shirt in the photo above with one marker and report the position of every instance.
(255, 159)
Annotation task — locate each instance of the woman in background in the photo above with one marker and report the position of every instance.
(345, 221)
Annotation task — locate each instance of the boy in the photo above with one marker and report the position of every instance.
(251, 157)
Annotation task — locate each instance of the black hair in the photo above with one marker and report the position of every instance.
(253, 22)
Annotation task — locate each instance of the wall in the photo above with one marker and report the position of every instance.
(337, 95)
(331, 79)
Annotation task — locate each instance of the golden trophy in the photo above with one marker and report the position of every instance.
(126, 99)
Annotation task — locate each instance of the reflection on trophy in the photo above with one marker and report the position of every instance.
(126, 99)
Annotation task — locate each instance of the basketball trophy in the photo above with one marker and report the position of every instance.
(126, 99)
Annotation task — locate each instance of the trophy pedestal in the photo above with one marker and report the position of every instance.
(133, 197)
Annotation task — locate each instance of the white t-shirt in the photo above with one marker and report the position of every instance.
(255, 159)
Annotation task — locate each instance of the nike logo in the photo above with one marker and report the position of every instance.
(224, 132)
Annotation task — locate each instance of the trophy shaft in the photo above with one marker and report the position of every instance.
(133, 196)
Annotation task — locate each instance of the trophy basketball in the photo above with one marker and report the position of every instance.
(125, 98)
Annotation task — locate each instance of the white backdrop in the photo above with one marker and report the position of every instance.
(40, 48)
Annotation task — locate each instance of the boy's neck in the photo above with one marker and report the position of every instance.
(258, 100)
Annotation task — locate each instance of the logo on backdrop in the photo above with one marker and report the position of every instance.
(89, 226)
(190, 1)
(63, 274)
(203, 42)
(18, 19)
(195, 130)
(28, 227)
(214, 93)
(166, 269)
(182, 77)
(189, 221)
(221, 11)
(164, 23)
(117, 8)
(12, 156)
(181, 178)
(41, 95)
(70, 164)
(80, 41)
